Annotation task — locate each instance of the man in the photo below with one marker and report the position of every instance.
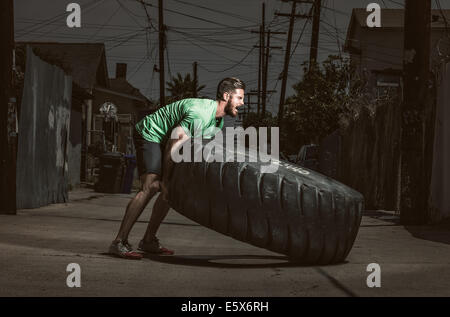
(157, 136)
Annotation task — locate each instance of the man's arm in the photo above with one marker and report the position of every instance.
(178, 137)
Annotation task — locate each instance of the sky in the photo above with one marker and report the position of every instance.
(214, 33)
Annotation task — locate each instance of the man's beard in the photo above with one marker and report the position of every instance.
(229, 109)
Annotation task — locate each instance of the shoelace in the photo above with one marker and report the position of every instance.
(127, 245)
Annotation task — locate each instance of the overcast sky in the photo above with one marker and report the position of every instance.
(215, 33)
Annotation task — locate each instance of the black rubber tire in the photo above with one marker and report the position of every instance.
(305, 215)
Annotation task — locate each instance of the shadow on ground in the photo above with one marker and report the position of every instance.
(229, 261)
(436, 233)
(385, 216)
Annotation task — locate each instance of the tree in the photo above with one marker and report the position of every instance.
(325, 95)
(181, 88)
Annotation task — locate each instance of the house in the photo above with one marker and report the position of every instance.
(86, 64)
(377, 53)
(129, 104)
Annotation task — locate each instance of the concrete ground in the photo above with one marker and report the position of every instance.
(37, 245)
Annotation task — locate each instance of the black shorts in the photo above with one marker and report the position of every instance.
(148, 155)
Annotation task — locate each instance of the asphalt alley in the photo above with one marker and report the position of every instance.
(37, 245)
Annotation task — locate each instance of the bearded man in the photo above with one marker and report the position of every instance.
(156, 138)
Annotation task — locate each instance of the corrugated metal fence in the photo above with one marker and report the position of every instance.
(42, 161)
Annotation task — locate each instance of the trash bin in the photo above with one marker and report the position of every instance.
(130, 165)
(110, 174)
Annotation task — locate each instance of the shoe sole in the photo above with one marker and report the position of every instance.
(136, 256)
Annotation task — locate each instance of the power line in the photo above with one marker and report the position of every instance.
(184, 34)
(205, 49)
(107, 21)
(200, 19)
(85, 25)
(301, 34)
(235, 65)
(397, 3)
(90, 6)
(125, 41)
(138, 67)
(46, 22)
(216, 11)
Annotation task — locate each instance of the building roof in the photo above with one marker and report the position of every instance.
(123, 86)
(392, 19)
(85, 62)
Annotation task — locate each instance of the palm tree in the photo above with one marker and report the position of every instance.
(181, 88)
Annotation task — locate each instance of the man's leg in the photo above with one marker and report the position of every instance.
(150, 186)
(159, 212)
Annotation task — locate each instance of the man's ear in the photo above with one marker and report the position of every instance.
(226, 96)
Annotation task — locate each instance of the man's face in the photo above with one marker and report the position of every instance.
(235, 100)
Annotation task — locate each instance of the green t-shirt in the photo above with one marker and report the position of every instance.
(196, 116)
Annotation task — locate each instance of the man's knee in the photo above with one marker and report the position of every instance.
(151, 184)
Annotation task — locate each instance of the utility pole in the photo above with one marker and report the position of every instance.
(286, 64)
(195, 80)
(249, 100)
(264, 65)
(315, 34)
(416, 67)
(261, 58)
(252, 93)
(7, 148)
(266, 72)
(261, 45)
(262, 50)
(161, 29)
(287, 54)
(263, 62)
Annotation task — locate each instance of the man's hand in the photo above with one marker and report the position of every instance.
(178, 136)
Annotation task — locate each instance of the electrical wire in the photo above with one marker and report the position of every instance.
(215, 42)
(125, 41)
(130, 13)
(89, 8)
(241, 28)
(231, 67)
(107, 21)
(45, 23)
(234, 15)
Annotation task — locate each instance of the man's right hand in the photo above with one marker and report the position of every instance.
(178, 136)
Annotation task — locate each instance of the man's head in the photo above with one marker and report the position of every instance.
(231, 90)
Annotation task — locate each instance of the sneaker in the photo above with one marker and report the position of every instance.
(154, 247)
(123, 249)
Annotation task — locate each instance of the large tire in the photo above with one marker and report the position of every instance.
(305, 215)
